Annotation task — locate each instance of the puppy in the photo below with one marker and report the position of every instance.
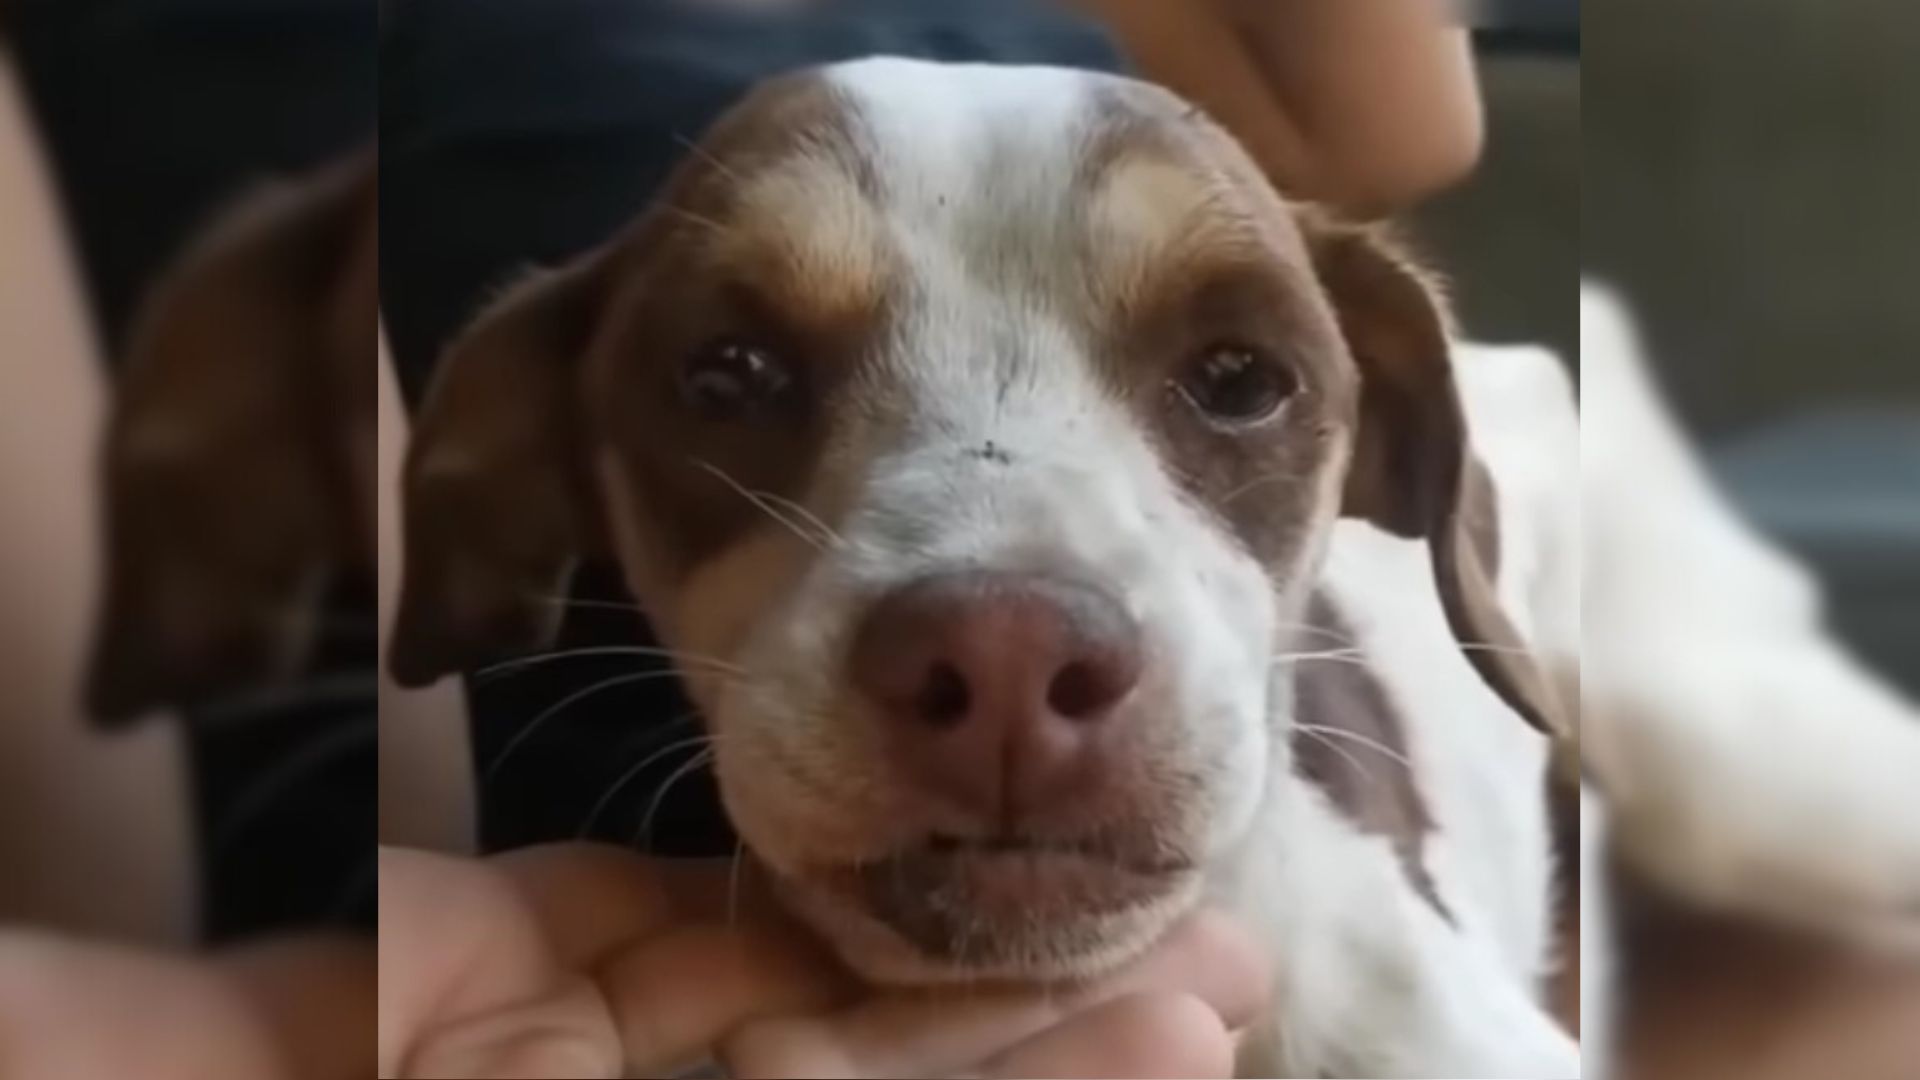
(1058, 529)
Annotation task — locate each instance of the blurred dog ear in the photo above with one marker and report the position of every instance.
(239, 459)
(497, 501)
(1413, 473)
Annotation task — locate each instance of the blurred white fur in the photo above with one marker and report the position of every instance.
(1745, 759)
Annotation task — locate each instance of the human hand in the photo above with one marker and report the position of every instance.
(579, 960)
(586, 961)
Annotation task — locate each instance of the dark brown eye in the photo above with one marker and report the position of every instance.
(730, 380)
(1235, 384)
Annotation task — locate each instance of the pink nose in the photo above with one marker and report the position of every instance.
(997, 688)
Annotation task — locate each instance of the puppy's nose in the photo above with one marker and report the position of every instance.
(997, 688)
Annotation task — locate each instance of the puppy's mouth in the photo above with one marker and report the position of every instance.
(1017, 906)
(1091, 850)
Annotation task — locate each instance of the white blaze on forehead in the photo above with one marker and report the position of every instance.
(979, 170)
(944, 135)
(976, 167)
(1015, 172)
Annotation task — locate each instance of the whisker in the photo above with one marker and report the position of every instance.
(1490, 647)
(674, 655)
(707, 156)
(553, 710)
(805, 515)
(688, 215)
(643, 839)
(733, 882)
(1318, 734)
(1321, 631)
(762, 502)
(1259, 481)
(270, 784)
(1345, 656)
(603, 605)
(1363, 740)
(627, 777)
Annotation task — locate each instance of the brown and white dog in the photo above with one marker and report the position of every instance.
(1058, 529)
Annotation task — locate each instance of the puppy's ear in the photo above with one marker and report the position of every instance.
(1413, 473)
(496, 494)
(239, 453)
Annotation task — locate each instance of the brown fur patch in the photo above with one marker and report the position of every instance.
(768, 232)
(1199, 251)
(1351, 741)
(585, 362)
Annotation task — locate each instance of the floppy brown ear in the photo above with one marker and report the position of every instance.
(496, 495)
(1412, 472)
(239, 452)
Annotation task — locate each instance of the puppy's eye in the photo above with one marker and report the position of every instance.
(1235, 384)
(730, 379)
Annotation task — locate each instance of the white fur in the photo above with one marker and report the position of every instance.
(1747, 760)
(1373, 982)
(1750, 761)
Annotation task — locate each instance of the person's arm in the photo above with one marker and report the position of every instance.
(1365, 106)
(95, 830)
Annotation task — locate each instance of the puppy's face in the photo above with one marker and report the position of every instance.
(972, 434)
(976, 384)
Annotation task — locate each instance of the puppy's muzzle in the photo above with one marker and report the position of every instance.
(997, 691)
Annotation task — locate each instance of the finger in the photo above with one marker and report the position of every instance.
(591, 898)
(675, 996)
(457, 940)
(1206, 957)
(1138, 1036)
(1210, 957)
(568, 1035)
(78, 1009)
(317, 993)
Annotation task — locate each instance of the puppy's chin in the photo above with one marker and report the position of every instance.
(931, 917)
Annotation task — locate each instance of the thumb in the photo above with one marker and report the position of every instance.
(566, 1035)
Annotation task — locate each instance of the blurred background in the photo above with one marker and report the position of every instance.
(1743, 174)
(1751, 173)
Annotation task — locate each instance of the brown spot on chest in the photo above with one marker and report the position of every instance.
(1349, 739)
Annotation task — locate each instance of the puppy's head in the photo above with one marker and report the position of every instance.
(973, 434)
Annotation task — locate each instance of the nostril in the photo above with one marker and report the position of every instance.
(944, 699)
(1083, 690)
